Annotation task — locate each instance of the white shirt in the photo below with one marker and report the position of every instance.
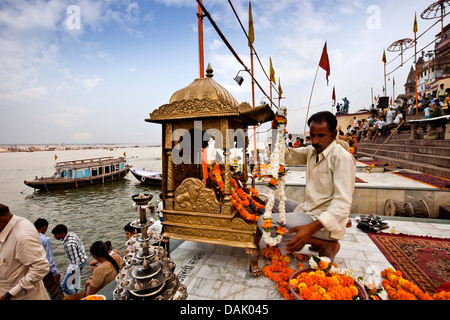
(23, 262)
(365, 125)
(156, 227)
(160, 206)
(398, 118)
(379, 124)
(390, 116)
(329, 185)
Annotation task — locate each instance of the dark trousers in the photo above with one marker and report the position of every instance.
(53, 287)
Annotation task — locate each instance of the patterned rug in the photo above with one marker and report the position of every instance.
(430, 180)
(359, 180)
(423, 260)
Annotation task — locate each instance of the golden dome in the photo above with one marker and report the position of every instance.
(205, 89)
(204, 97)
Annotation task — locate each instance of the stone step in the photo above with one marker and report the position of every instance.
(411, 142)
(434, 170)
(404, 147)
(431, 159)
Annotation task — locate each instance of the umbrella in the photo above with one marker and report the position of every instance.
(435, 11)
(401, 45)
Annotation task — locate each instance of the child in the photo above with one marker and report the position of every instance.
(427, 112)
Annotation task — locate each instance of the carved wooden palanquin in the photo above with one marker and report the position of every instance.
(193, 211)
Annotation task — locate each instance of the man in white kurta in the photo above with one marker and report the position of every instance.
(23, 262)
(330, 179)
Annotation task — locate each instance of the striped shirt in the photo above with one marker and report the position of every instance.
(74, 249)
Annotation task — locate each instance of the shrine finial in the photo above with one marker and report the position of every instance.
(209, 71)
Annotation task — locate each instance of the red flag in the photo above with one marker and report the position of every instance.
(333, 97)
(324, 62)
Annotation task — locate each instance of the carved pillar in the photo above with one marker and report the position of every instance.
(245, 167)
(226, 205)
(227, 182)
(169, 202)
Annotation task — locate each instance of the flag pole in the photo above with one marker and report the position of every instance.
(415, 59)
(385, 91)
(253, 105)
(251, 39)
(309, 103)
(324, 63)
(202, 75)
(200, 40)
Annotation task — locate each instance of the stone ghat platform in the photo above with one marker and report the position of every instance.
(373, 191)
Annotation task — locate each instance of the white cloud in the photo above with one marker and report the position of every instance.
(88, 83)
(215, 44)
(178, 3)
(67, 116)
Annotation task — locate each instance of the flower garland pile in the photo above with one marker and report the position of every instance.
(276, 177)
(242, 201)
(316, 285)
(279, 270)
(399, 288)
(325, 283)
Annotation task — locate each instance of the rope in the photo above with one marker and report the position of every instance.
(224, 39)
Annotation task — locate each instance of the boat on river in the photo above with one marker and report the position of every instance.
(78, 173)
(153, 178)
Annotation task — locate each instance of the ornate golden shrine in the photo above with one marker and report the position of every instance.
(193, 211)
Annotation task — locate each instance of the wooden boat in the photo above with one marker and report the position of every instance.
(147, 177)
(78, 173)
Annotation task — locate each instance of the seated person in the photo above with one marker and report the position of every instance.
(378, 128)
(352, 142)
(364, 129)
(436, 110)
(321, 219)
(112, 252)
(106, 272)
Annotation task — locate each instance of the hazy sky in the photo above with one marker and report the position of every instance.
(91, 71)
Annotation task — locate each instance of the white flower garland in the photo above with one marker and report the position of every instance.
(277, 159)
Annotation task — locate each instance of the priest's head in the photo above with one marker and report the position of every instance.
(322, 130)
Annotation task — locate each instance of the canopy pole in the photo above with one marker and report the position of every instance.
(309, 103)
(200, 40)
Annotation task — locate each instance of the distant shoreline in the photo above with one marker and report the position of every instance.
(66, 146)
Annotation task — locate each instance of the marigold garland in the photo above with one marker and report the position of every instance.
(313, 285)
(279, 270)
(239, 198)
(399, 288)
(318, 285)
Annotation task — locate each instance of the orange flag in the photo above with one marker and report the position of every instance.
(272, 72)
(384, 56)
(251, 31)
(415, 29)
(280, 91)
(324, 62)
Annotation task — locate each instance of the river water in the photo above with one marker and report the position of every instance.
(97, 212)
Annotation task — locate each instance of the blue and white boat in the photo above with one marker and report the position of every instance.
(148, 177)
(78, 173)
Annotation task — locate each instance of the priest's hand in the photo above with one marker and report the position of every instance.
(302, 236)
